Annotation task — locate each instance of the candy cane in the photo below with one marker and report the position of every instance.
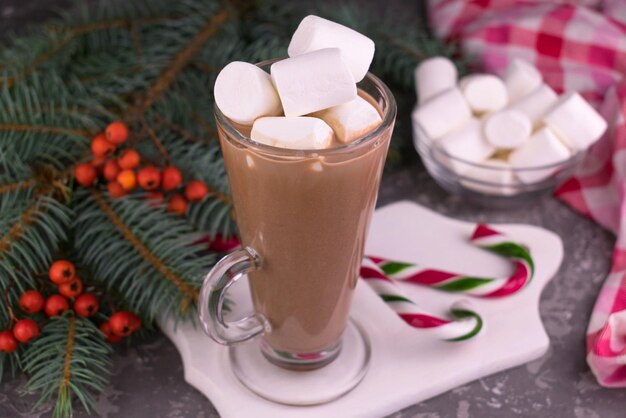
(487, 287)
(380, 274)
(466, 325)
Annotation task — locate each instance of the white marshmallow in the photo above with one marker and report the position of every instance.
(314, 81)
(521, 78)
(507, 129)
(433, 76)
(575, 121)
(315, 33)
(292, 132)
(443, 113)
(244, 92)
(493, 177)
(484, 92)
(543, 148)
(351, 120)
(537, 103)
(466, 143)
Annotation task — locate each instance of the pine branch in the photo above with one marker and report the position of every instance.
(54, 48)
(38, 124)
(30, 234)
(189, 293)
(162, 120)
(69, 360)
(62, 36)
(158, 267)
(183, 57)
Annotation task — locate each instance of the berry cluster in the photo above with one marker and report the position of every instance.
(120, 325)
(123, 171)
(62, 274)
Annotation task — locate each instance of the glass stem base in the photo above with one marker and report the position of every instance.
(324, 377)
(300, 361)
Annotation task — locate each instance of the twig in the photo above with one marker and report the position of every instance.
(67, 361)
(17, 127)
(9, 308)
(18, 185)
(18, 228)
(156, 141)
(123, 71)
(205, 68)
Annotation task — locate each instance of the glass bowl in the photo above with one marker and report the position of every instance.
(488, 184)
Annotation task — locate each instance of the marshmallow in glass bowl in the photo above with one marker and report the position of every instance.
(499, 140)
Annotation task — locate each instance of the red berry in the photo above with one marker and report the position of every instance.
(86, 305)
(122, 323)
(116, 190)
(116, 132)
(97, 161)
(111, 170)
(177, 204)
(135, 322)
(8, 343)
(71, 289)
(222, 245)
(101, 147)
(127, 179)
(129, 159)
(149, 178)
(25, 330)
(105, 327)
(171, 178)
(62, 271)
(155, 198)
(31, 301)
(85, 174)
(196, 190)
(56, 305)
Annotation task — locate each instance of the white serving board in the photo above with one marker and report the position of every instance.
(408, 365)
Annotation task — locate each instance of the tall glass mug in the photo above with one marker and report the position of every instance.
(303, 217)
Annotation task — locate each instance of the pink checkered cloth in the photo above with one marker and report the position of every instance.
(581, 46)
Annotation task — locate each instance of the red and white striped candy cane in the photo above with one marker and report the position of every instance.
(487, 287)
(380, 273)
(465, 325)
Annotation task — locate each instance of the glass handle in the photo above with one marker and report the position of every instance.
(213, 294)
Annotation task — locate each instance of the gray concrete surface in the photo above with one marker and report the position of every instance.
(148, 380)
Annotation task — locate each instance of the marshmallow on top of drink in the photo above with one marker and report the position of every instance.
(309, 100)
(501, 131)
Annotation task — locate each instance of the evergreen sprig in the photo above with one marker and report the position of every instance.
(70, 359)
(157, 268)
(151, 63)
(30, 236)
